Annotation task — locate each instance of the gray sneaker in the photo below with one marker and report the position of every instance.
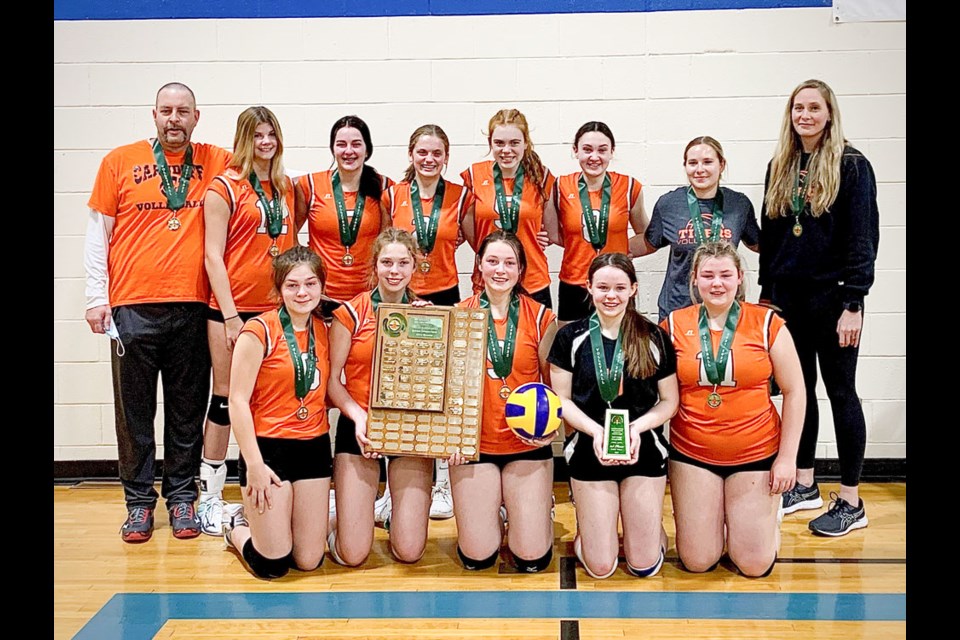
(840, 519)
(801, 497)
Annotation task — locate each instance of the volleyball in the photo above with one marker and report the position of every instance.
(533, 410)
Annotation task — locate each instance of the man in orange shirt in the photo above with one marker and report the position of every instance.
(146, 287)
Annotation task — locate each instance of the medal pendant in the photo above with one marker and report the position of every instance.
(714, 400)
(424, 266)
(504, 392)
(303, 412)
(173, 223)
(347, 259)
(274, 251)
(797, 230)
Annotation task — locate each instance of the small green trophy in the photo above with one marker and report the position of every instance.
(616, 434)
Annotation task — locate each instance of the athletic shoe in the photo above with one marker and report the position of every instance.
(801, 497)
(232, 521)
(333, 503)
(382, 509)
(441, 501)
(184, 520)
(503, 515)
(210, 512)
(840, 519)
(138, 526)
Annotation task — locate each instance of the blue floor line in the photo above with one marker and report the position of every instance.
(139, 616)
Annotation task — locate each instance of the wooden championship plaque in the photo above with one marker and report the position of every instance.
(426, 392)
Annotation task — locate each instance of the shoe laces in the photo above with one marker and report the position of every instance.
(837, 503)
(183, 510)
(442, 488)
(138, 515)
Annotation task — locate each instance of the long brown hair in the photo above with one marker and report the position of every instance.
(823, 168)
(639, 361)
(243, 146)
(533, 168)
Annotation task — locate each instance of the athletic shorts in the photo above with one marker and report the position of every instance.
(543, 297)
(293, 460)
(584, 466)
(446, 297)
(574, 302)
(502, 460)
(724, 470)
(217, 316)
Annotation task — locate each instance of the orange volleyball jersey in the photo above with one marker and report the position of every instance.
(343, 282)
(578, 253)
(247, 252)
(495, 436)
(360, 318)
(486, 218)
(746, 425)
(147, 261)
(443, 265)
(274, 402)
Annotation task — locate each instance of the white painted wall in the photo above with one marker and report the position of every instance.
(658, 79)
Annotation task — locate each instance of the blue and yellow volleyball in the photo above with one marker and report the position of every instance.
(533, 410)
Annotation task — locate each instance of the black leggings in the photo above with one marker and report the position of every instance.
(812, 320)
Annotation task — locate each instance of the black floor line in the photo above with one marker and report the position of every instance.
(569, 629)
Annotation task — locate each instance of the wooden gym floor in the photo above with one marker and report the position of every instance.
(851, 587)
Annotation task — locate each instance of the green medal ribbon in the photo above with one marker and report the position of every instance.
(715, 366)
(348, 229)
(607, 379)
(502, 360)
(509, 217)
(596, 229)
(426, 233)
(376, 299)
(696, 216)
(272, 208)
(303, 371)
(176, 197)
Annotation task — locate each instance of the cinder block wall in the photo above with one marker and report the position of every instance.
(658, 79)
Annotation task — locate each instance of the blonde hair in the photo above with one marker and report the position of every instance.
(532, 165)
(243, 147)
(425, 130)
(823, 168)
(719, 249)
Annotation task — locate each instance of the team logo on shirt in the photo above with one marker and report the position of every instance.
(686, 235)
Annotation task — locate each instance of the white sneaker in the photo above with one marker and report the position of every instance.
(233, 520)
(333, 502)
(441, 501)
(211, 516)
(382, 509)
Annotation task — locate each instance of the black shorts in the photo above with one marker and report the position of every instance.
(445, 297)
(293, 460)
(502, 460)
(574, 302)
(346, 439)
(724, 470)
(543, 297)
(217, 316)
(584, 466)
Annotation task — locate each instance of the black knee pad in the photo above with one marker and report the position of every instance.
(293, 563)
(477, 565)
(265, 568)
(534, 566)
(219, 412)
(762, 575)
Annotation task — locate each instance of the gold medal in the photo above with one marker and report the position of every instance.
(347, 259)
(425, 266)
(274, 251)
(504, 392)
(173, 223)
(797, 229)
(714, 400)
(303, 412)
